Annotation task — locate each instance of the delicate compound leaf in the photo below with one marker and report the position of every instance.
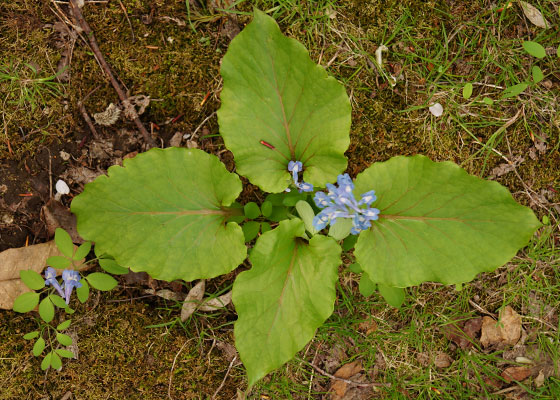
(437, 223)
(537, 74)
(26, 302)
(63, 242)
(274, 95)
(251, 230)
(252, 210)
(467, 90)
(355, 268)
(32, 279)
(58, 262)
(82, 251)
(112, 267)
(63, 339)
(535, 49)
(291, 199)
(101, 281)
(63, 325)
(83, 291)
(514, 90)
(46, 363)
(31, 335)
(366, 286)
(46, 310)
(56, 362)
(349, 242)
(58, 301)
(392, 295)
(287, 294)
(38, 347)
(64, 353)
(265, 227)
(164, 213)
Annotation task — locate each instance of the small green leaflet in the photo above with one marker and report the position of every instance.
(63, 339)
(32, 279)
(83, 291)
(46, 363)
(537, 74)
(26, 302)
(46, 310)
(252, 210)
(366, 286)
(392, 295)
(514, 90)
(287, 294)
(101, 281)
(63, 325)
(38, 347)
(467, 90)
(534, 49)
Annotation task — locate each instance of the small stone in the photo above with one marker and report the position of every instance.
(64, 155)
(436, 110)
(62, 187)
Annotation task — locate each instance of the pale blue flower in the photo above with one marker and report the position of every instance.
(339, 202)
(50, 279)
(71, 280)
(295, 167)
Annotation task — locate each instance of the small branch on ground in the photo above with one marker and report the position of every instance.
(77, 12)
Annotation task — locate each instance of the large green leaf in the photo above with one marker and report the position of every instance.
(288, 293)
(437, 223)
(164, 213)
(274, 92)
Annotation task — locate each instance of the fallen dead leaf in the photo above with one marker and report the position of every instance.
(165, 294)
(217, 302)
(192, 300)
(338, 388)
(539, 380)
(534, 15)
(507, 167)
(14, 260)
(228, 349)
(506, 331)
(463, 333)
(56, 215)
(423, 359)
(175, 141)
(368, 327)
(442, 360)
(516, 373)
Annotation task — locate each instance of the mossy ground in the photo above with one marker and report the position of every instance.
(435, 47)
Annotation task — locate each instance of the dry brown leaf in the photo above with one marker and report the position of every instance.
(338, 388)
(176, 140)
(539, 380)
(216, 303)
(14, 260)
(58, 216)
(505, 332)
(534, 15)
(192, 300)
(423, 359)
(461, 333)
(442, 360)
(516, 373)
(368, 327)
(165, 294)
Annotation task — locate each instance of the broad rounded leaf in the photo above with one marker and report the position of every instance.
(437, 223)
(58, 262)
(252, 210)
(537, 74)
(251, 230)
(32, 279)
(366, 286)
(287, 294)
(163, 213)
(26, 302)
(275, 96)
(467, 90)
(101, 281)
(46, 310)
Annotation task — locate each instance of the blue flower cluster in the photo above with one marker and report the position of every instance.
(71, 280)
(339, 202)
(295, 167)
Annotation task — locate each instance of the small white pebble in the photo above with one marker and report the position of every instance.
(62, 187)
(436, 109)
(523, 360)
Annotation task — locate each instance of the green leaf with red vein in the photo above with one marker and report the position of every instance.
(164, 213)
(277, 106)
(437, 223)
(287, 294)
